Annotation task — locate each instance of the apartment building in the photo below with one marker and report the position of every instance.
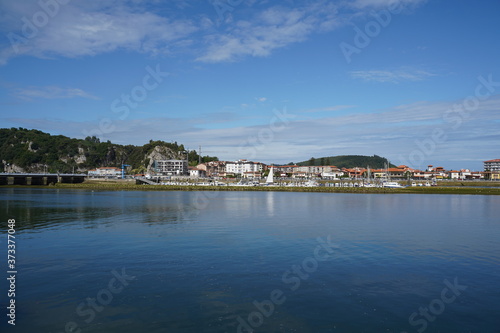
(241, 167)
(492, 165)
(171, 167)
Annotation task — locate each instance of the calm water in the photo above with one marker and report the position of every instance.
(232, 261)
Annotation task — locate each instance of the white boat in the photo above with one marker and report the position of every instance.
(240, 183)
(387, 182)
(311, 183)
(392, 185)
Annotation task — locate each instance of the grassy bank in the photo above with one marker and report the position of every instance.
(130, 186)
(468, 183)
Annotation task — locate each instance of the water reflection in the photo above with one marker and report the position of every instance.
(202, 258)
(41, 208)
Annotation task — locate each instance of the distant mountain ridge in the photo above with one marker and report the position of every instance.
(25, 150)
(349, 161)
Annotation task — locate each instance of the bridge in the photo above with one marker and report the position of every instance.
(40, 178)
(142, 181)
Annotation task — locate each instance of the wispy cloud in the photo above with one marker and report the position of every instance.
(82, 28)
(395, 76)
(271, 29)
(391, 132)
(51, 92)
(85, 29)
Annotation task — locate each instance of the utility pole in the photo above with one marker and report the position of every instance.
(199, 155)
(187, 160)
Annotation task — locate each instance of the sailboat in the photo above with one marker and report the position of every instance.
(387, 182)
(270, 177)
(368, 182)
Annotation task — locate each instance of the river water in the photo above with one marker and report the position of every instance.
(127, 261)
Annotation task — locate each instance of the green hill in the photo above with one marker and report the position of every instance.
(24, 150)
(349, 161)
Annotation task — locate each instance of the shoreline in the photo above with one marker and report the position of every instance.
(116, 186)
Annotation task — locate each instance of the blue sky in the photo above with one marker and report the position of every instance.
(415, 81)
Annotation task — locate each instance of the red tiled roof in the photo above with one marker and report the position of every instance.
(497, 160)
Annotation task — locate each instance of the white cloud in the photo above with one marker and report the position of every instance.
(395, 76)
(274, 28)
(394, 133)
(52, 92)
(82, 29)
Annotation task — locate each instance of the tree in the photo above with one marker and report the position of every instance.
(93, 139)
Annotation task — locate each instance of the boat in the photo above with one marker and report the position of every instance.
(368, 182)
(240, 183)
(392, 185)
(387, 182)
(270, 177)
(311, 183)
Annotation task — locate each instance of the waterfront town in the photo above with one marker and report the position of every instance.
(245, 169)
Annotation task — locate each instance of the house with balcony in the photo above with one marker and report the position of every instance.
(354, 172)
(252, 174)
(214, 168)
(331, 171)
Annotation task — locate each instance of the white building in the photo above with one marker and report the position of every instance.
(105, 172)
(297, 171)
(465, 173)
(171, 167)
(331, 172)
(243, 166)
(492, 165)
(197, 173)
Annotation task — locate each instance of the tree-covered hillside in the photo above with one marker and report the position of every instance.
(36, 151)
(349, 161)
